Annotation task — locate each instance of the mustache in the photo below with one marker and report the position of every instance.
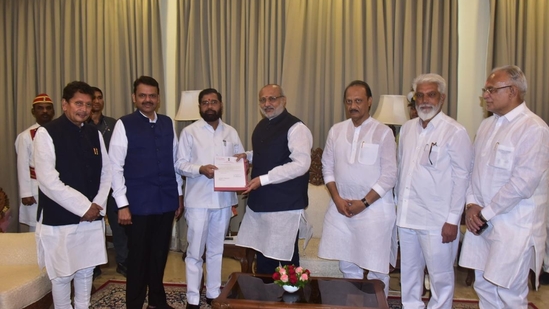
(353, 111)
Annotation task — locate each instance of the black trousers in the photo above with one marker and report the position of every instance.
(148, 244)
(267, 265)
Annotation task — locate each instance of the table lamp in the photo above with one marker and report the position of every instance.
(188, 106)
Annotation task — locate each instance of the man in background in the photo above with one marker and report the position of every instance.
(207, 212)
(147, 191)
(360, 170)
(507, 198)
(434, 156)
(74, 176)
(43, 112)
(278, 189)
(105, 125)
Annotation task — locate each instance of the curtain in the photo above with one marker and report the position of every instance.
(49, 43)
(313, 49)
(519, 36)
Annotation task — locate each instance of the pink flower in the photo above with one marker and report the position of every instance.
(282, 271)
(304, 277)
(284, 278)
(299, 270)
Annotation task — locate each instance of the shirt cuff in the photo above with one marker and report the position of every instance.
(453, 219)
(121, 201)
(264, 180)
(470, 199)
(487, 213)
(328, 179)
(379, 190)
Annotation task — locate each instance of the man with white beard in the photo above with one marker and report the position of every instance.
(434, 156)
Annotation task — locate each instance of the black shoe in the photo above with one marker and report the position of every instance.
(189, 306)
(544, 278)
(122, 269)
(96, 272)
(209, 301)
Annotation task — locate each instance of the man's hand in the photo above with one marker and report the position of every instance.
(92, 213)
(252, 185)
(355, 207)
(124, 216)
(207, 170)
(179, 210)
(27, 201)
(449, 232)
(472, 219)
(241, 156)
(342, 206)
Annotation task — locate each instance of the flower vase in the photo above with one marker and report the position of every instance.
(290, 288)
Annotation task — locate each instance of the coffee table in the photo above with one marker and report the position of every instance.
(258, 291)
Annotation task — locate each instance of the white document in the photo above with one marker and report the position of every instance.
(230, 174)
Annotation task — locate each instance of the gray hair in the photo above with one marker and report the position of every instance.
(516, 77)
(430, 78)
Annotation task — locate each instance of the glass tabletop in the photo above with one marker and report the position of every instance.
(327, 291)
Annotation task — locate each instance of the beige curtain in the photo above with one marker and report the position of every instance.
(47, 43)
(313, 48)
(519, 35)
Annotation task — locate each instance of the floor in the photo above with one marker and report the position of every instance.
(175, 272)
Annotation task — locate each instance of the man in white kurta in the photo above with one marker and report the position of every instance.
(508, 191)
(70, 233)
(359, 169)
(207, 211)
(434, 156)
(42, 110)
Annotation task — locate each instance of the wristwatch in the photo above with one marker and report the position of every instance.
(365, 202)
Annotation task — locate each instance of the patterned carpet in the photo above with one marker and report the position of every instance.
(111, 295)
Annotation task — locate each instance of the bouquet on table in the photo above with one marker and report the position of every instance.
(291, 275)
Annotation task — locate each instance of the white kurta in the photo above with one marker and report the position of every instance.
(358, 160)
(65, 249)
(509, 181)
(27, 185)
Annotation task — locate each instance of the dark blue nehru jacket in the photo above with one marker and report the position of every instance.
(78, 161)
(270, 146)
(149, 169)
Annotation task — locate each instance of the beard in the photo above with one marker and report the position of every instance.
(430, 114)
(211, 115)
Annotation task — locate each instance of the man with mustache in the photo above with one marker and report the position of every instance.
(43, 112)
(147, 191)
(508, 192)
(359, 169)
(207, 211)
(278, 189)
(434, 156)
(74, 176)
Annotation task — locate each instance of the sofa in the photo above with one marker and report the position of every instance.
(319, 199)
(22, 283)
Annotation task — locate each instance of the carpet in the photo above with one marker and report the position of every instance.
(111, 295)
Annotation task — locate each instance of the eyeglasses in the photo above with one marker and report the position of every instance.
(492, 90)
(430, 150)
(271, 99)
(430, 95)
(211, 102)
(81, 104)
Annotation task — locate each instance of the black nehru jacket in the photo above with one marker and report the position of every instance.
(270, 146)
(78, 161)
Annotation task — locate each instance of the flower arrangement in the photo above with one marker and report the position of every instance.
(291, 275)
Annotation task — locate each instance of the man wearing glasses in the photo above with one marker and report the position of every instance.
(281, 158)
(507, 193)
(434, 156)
(207, 211)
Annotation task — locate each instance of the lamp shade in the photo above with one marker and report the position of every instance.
(392, 109)
(188, 107)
